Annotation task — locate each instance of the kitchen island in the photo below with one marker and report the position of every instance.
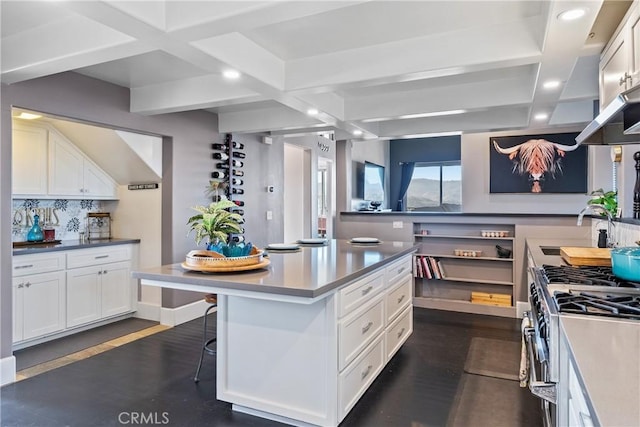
(599, 368)
(301, 340)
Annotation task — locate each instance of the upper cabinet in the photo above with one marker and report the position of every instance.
(620, 60)
(29, 160)
(47, 165)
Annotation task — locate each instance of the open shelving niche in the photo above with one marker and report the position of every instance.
(488, 278)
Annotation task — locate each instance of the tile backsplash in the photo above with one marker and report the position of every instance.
(67, 217)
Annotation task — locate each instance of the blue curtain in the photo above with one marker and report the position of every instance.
(406, 174)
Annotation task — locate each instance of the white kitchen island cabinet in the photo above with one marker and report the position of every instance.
(302, 340)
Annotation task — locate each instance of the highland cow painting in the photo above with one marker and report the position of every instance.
(537, 164)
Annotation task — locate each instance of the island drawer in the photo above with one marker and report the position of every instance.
(398, 270)
(398, 332)
(358, 293)
(97, 256)
(37, 263)
(355, 380)
(398, 297)
(358, 329)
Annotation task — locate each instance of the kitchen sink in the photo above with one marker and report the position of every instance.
(550, 250)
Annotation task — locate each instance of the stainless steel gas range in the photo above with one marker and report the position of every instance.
(589, 292)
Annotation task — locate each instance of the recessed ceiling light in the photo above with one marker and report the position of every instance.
(551, 84)
(572, 14)
(28, 116)
(357, 132)
(541, 116)
(312, 112)
(231, 74)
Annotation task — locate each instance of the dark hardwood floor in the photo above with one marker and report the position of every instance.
(154, 377)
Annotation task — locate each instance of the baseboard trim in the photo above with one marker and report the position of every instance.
(183, 314)
(148, 311)
(521, 307)
(7, 370)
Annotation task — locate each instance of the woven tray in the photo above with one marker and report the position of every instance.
(211, 259)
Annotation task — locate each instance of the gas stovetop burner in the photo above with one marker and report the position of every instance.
(599, 304)
(585, 275)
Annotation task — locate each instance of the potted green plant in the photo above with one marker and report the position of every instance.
(607, 199)
(215, 222)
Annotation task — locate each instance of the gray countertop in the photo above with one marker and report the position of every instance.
(311, 272)
(606, 352)
(66, 245)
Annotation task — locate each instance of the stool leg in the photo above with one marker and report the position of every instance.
(204, 341)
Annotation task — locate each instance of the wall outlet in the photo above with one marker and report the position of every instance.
(397, 224)
(269, 215)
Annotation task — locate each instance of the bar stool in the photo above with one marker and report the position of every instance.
(212, 299)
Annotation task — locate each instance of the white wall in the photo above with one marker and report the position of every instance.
(136, 215)
(475, 181)
(294, 193)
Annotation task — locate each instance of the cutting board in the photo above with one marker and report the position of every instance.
(586, 256)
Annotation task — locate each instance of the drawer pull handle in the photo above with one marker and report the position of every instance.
(401, 332)
(366, 291)
(102, 256)
(24, 266)
(366, 328)
(366, 372)
(400, 299)
(401, 270)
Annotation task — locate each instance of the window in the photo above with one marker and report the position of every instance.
(435, 187)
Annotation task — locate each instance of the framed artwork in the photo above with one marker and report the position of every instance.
(548, 163)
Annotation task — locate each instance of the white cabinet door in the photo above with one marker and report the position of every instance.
(43, 304)
(18, 313)
(83, 295)
(613, 66)
(66, 168)
(29, 163)
(98, 184)
(116, 288)
(634, 29)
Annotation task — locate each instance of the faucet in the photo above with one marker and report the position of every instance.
(599, 208)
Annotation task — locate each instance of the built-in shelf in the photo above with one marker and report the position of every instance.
(449, 236)
(471, 258)
(461, 279)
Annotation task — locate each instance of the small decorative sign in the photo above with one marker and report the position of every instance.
(151, 186)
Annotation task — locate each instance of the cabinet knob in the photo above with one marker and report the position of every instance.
(26, 285)
(104, 271)
(21, 285)
(100, 272)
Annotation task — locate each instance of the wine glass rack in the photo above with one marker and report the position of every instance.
(229, 157)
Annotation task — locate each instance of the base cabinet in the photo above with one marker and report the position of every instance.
(309, 363)
(38, 305)
(574, 408)
(56, 292)
(97, 292)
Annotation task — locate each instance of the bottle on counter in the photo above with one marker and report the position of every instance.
(35, 233)
(602, 238)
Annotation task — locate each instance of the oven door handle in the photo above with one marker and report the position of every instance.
(541, 389)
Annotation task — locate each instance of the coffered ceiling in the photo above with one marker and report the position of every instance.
(389, 69)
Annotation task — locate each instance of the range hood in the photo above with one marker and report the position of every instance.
(618, 123)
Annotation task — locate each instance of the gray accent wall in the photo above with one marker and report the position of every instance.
(86, 99)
